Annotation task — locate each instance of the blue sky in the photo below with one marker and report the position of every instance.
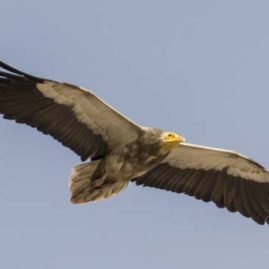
(199, 68)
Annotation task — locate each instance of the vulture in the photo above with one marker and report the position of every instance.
(115, 151)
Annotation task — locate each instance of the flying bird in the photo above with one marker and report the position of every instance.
(115, 151)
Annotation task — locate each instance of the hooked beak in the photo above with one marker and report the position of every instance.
(181, 139)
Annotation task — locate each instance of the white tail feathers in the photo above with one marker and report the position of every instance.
(83, 189)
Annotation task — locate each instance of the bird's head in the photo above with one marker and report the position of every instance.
(171, 140)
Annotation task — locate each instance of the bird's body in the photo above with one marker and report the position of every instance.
(118, 167)
(118, 151)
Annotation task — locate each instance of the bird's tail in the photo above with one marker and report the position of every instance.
(83, 189)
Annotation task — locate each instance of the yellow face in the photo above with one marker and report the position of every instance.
(171, 140)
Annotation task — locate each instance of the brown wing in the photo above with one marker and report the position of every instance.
(75, 117)
(228, 179)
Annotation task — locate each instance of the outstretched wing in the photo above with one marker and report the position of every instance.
(225, 177)
(74, 116)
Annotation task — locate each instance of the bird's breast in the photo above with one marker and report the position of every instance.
(138, 159)
(132, 161)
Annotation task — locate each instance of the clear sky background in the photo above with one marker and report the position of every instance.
(199, 68)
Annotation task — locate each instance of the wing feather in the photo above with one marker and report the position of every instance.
(73, 116)
(228, 179)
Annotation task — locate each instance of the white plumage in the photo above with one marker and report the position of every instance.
(190, 156)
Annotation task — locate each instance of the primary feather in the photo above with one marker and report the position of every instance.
(225, 177)
(75, 117)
